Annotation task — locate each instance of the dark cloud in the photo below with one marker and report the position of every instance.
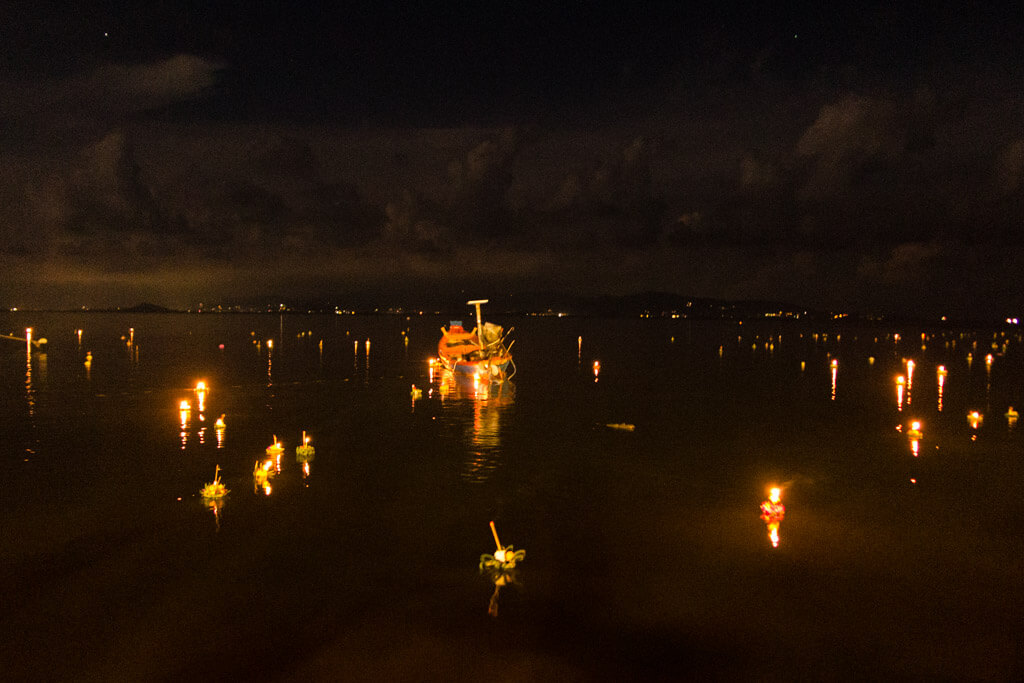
(744, 156)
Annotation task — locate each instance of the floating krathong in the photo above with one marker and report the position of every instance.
(214, 490)
(915, 430)
(773, 512)
(416, 392)
(305, 452)
(503, 559)
(1011, 417)
(275, 449)
(974, 418)
(261, 475)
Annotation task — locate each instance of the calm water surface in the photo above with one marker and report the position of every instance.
(646, 557)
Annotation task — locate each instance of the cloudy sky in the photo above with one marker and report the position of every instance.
(868, 159)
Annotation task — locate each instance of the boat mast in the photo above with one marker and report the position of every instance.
(479, 319)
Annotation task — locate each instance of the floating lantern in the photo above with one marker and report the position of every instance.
(1011, 417)
(219, 424)
(79, 334)
(504, 557)
(773, 512)
(275, 448)
(261, 475)
(305, 452)
(201, 395)
(974, 418)
(214, 490)
(416, 393)
(915, 430)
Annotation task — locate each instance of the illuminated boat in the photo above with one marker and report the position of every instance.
(481, 355)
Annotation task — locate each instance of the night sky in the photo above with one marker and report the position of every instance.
(868, 159)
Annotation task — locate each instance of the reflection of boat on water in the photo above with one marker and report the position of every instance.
(480, 355)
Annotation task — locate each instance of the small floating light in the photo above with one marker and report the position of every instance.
(772, 513)
(974, 418)
(503, 559)
(275, 448)
(305, 452)
(215, 489)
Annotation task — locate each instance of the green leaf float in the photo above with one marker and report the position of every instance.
(305, 452)
(214, 490)
(503, 559)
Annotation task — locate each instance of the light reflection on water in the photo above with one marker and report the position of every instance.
(479, 409)
(665, 512)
